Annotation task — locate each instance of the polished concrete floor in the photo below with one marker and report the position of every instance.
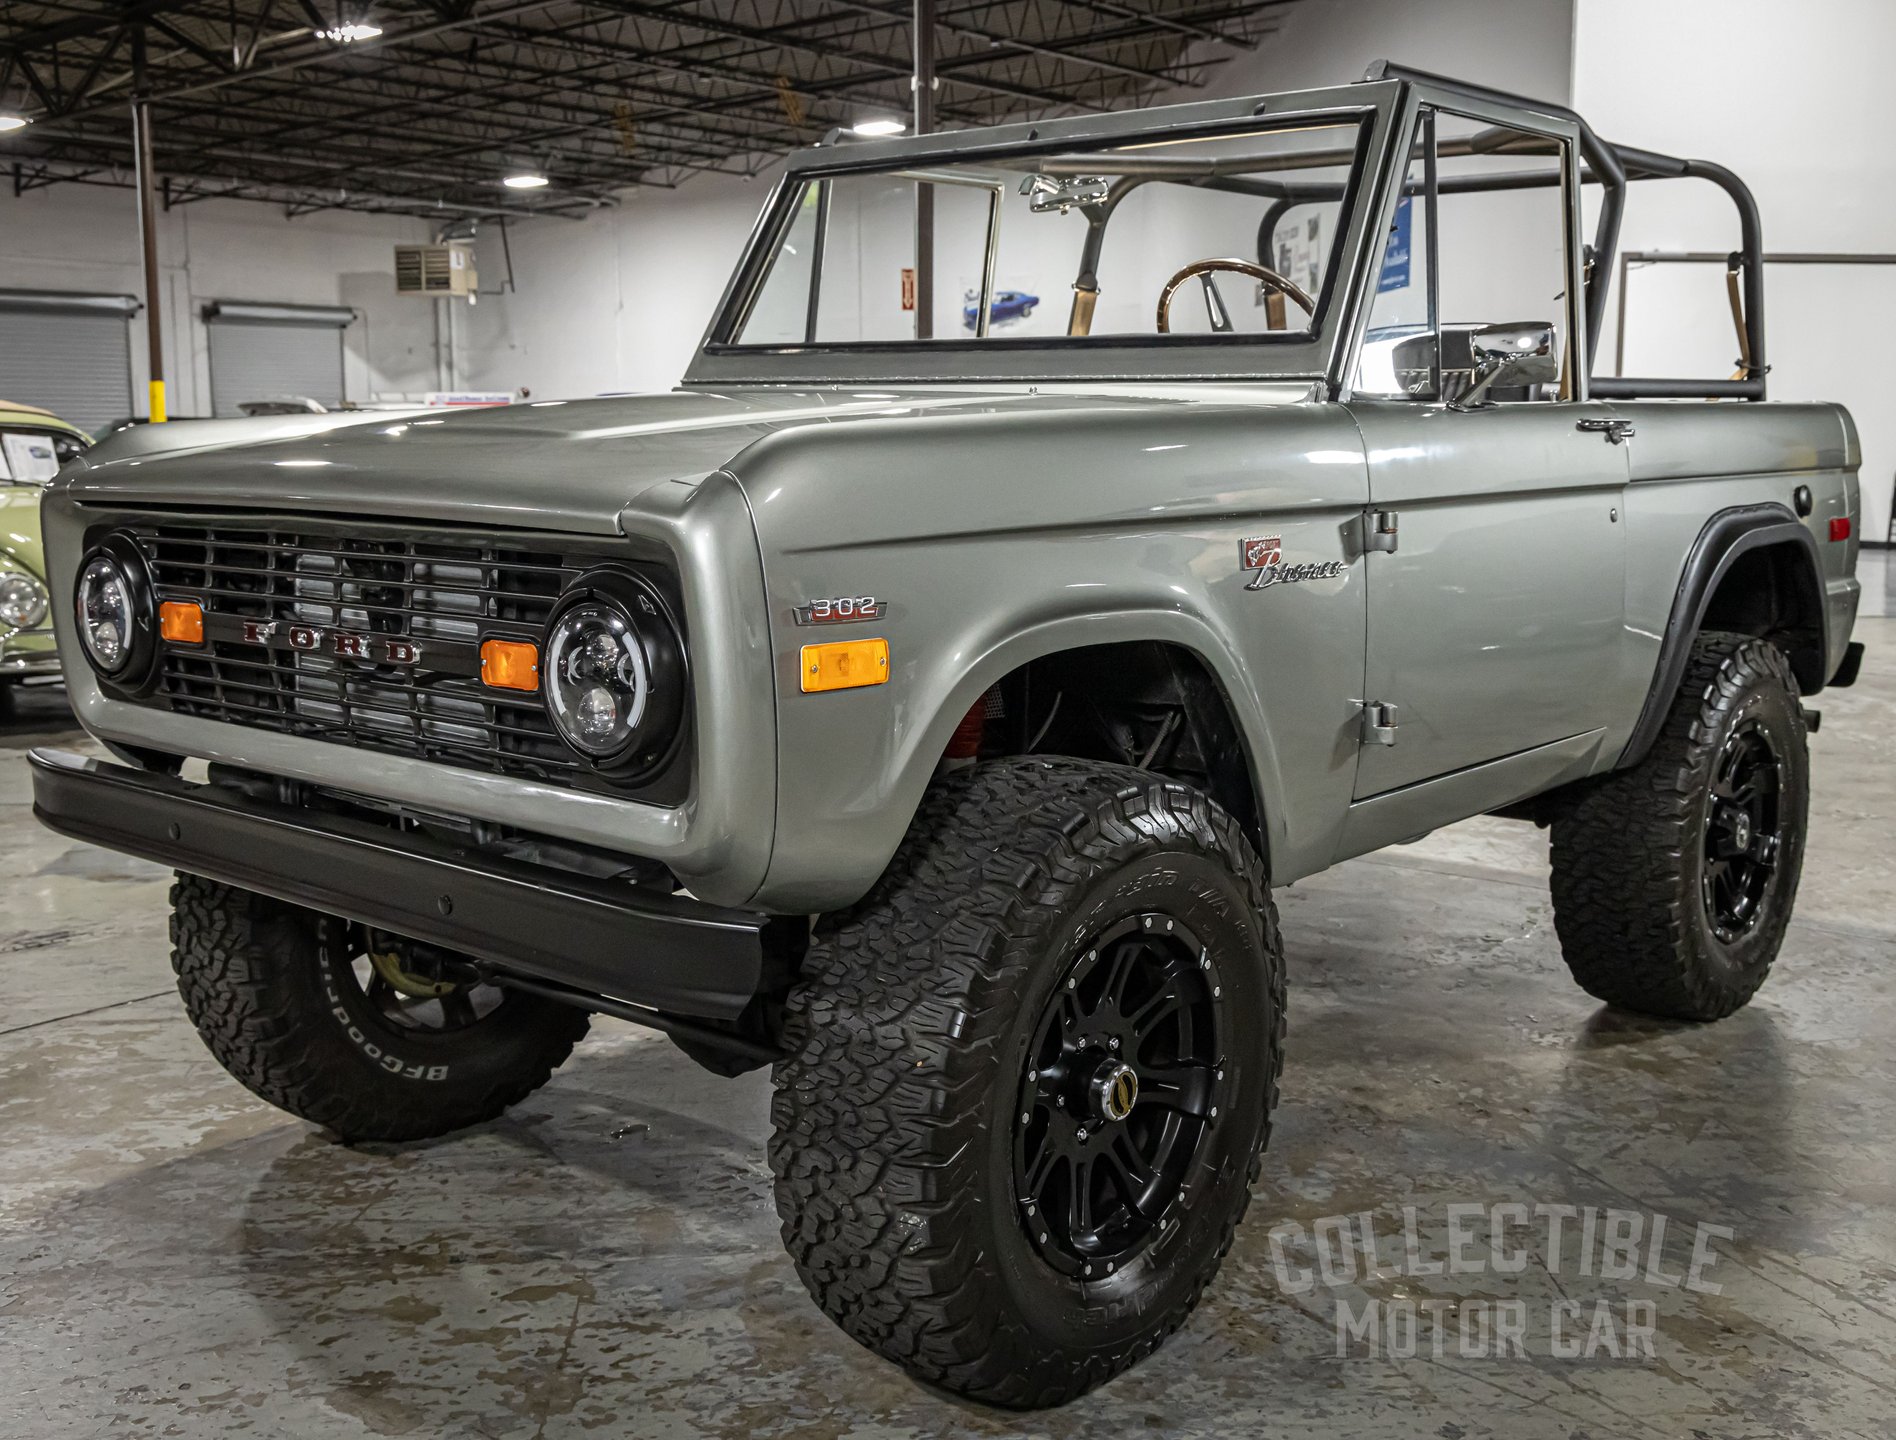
(178, 1259)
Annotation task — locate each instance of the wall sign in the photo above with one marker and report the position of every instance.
(1395, 267)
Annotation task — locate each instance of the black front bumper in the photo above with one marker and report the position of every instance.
(604, 937)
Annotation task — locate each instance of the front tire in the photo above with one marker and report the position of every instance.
(961, 1186)
(1673, 881)
(291, 1004)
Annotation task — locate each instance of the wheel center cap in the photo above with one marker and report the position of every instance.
(1741, 830)
(1115, 1090)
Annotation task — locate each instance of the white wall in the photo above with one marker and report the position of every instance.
(85, 238)
(1520, 45)
(618, 301)
(1797, 99)
(615, 302)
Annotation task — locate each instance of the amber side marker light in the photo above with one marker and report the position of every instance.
(510, 664)
(181, 621)
(845, 664)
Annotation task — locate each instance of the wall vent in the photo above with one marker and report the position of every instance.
(435, 270)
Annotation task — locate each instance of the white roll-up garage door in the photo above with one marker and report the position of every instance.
(267, 352)
(70, 354)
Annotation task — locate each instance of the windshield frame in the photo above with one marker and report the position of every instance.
(1295, 356)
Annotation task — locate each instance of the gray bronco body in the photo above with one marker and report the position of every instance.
(1467, 608)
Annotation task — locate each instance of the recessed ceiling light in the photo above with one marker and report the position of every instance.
(345, 34)
(525, 180)
(12, 122)
(870, 129)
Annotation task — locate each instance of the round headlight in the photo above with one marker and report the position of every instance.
(115, 612)
(105, 614)
(22, 600)
(613, 672)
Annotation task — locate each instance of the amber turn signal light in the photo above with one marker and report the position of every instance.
(510, 664)
(845, 664)
(181, 621)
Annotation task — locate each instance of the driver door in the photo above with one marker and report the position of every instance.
(1496, 606)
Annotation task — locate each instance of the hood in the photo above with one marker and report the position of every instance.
(20, 527)
(570, 466)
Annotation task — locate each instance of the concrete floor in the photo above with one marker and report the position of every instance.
(178, 1259)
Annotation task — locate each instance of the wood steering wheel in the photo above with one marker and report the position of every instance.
(1257, 272)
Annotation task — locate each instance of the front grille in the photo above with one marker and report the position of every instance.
(268, 588)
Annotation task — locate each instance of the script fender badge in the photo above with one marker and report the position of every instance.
(1263, 556)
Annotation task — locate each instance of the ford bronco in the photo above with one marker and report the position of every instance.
(931, 715)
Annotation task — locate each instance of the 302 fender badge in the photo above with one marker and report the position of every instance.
(840, 610)
(1263, 555)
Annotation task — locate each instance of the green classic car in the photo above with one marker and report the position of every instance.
(34, 443)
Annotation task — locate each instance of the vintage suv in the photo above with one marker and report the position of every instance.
(930, 715)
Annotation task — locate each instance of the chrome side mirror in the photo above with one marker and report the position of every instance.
(1517, 352)
(1062, 193)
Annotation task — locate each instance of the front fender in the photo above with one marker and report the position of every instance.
(993, 541)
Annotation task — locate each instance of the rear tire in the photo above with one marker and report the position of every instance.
(1673, 881)
(278, 995)
(1046, 925)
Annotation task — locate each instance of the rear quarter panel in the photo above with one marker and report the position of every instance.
(1691, 459)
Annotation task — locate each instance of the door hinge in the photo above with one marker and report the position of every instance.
(1379, 723)
(1379, 531)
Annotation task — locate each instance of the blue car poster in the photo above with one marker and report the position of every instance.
(1395, 268)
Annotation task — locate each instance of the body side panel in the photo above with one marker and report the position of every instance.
(1495, 624)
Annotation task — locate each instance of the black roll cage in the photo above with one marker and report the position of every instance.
(1601, 163)
(1611, 166)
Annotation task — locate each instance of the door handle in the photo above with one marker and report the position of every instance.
(1617, 432)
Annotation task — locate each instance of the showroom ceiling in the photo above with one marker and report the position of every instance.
(423, 107)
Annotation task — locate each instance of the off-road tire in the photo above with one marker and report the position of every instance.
(1629, 852)
(262, 982)
(893, 1113)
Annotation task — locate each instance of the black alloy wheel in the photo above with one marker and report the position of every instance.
(1744, 831)
(1121, 1083)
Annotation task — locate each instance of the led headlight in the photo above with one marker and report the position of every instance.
(115, 613)
(23, 599)
(613, 672)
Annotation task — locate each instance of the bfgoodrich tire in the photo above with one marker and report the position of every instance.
(1673, 881)
(289, 1002)
(969, 1182)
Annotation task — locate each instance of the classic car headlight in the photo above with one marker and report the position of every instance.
(113, 601)
(613, 672)
(23, 600)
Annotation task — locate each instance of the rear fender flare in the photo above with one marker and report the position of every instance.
(1727, 536)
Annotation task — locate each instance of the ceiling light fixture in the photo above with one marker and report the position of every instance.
(346, 34)
(871, 129)
(525, 180)
(12, 122)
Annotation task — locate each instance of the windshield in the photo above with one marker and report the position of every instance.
(1189, 239)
